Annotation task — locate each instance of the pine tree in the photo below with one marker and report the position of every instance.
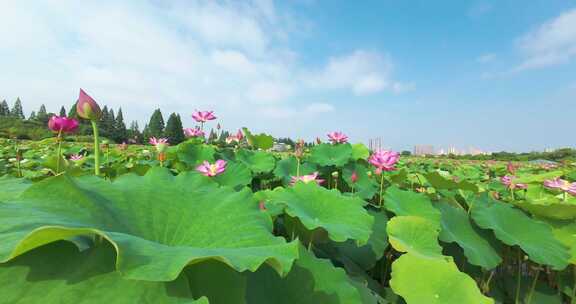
(17, 111)
(134, 132)
(4, 109)
(42, 115)
(120, 134)
(62, 112)
(146, 133)
(174, 131)
(156, 124)
(32, 116)
(72, 112)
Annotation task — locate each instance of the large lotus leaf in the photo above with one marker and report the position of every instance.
(513, 227)
(439, 182)
(420, 279)
(260, 141)
(565, 232)
(341, 216)
(402, 202)
(11, 187)
(257, 161)
(288, 167)
(360, 151)
(538, 178)
(331, 155)
(367, 255)
(236, 174)
(365, 187)
(194, 154)
(217, 282)
(542, 202)
(158, 223)
(58, 273)
(311, 280)
(456, 227)
(415, 235)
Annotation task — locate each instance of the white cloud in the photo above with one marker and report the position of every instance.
(362, 72)
(232, 57)
(552, 43)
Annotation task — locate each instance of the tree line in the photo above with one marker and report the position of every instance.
(14, 124)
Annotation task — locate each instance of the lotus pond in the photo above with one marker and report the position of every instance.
(204, 222)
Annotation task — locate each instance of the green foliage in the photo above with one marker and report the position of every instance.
(174, 131)
(156, 125)
(17, 112)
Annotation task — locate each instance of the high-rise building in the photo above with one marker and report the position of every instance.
(423, 150)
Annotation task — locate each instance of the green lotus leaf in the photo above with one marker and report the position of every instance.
(542, 202)
(217, 282)
(538, 178)
(360, 151)
(341, 216)
(367, 255)
(158, 223)
(288, 167)
(457, 228)
(513, 227)
(439, 182)
(331, 155)
(402, 202)
(415, 235)
(311, 280)
(257, 161)
(236, 174)
(11, 187)
(420, 279)
(194, 154)
(260, 141)
(58, 273)
(365, 187)
(565, 232)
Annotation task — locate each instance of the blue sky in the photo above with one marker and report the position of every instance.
(496, 75)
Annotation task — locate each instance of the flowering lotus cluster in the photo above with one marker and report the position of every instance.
(235, 138)
(306, 179)
(508, 181)
(562, 185)
(76, 157)
(214, 169)
(384, 160)
(337, 137)
(193, 132)
(62, 124)
(203, 116)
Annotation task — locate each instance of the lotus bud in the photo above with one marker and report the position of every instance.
(354, 177)
(335, 174)
(369, 173)
(87, 108)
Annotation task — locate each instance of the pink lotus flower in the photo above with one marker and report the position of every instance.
(214, 169)
(87, 108)
(76, 157)
(306, 179)
(354, 177)
(161, 144)
(203, 116)
(62, 124)
(508, 181)
(337, 137)
(511, 168)
(561, 184)
(384, 160)
(235, 138)
(193, 132)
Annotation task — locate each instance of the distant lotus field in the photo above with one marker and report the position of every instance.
(238, 222)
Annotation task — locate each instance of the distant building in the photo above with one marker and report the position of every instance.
(423, 150)
(280, 147)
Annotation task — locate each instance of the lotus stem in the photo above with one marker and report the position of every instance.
(297, 167)
(533, 286)
(381, 187)
(519, 277)
(573, 300)
(59, 139)
(96, 148)
(512, 194)
(18, 158)
(565, 196)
